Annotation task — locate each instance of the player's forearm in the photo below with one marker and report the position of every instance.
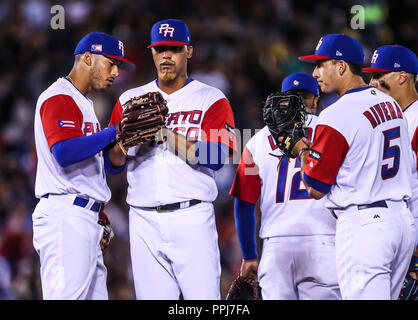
(212, 155)
(312, 192)
(180, 145)
(116, 156)
(71, 151)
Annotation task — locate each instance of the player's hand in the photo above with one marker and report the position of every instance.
(301, 144)
(249, 269)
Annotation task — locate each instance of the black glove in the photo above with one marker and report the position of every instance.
(284, 114)
(409, 289)
(244, 289)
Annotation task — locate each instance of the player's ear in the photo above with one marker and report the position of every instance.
(342, 67)
(403, 77)
(189, 52)
(87, 58)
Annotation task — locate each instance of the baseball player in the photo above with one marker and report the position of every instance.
(394, 71)
(173, 235)
(70, 177)
(298, 256)
(360, 159)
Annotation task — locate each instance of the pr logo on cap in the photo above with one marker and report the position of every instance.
(319, 44)
(170, 32)
(339, 47)
(167, 30)
(393, 58)
(106, 45)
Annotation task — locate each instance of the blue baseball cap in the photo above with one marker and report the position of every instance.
(172, 32)
(105, 44)
(337, 46)
(300, 81)
(393, 59)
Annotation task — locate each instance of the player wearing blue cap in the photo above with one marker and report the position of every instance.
(70, 177)
(394, 71)
(298, 255)
(172, 229)
(361, 160)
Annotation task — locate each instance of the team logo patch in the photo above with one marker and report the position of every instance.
(120, 44)
(63, 124)
(375, 56)
(229, 128)
(315, 154)
(96, 47)
(319, 44)
(166, 29)
(295, 83)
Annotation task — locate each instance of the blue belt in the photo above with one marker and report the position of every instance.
(81, 202)
(377, 204)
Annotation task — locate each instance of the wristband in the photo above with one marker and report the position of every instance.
(302, 151)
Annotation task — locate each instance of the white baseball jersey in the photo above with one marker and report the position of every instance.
(286, 207)
(411, 115)
(63, 112)
(156, 176)
(361, 151)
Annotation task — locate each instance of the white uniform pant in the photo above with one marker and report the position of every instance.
(175, 252)
(373, 249)
(67, 239)
(298, 268)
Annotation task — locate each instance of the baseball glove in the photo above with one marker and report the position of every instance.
(107, 231)
(244, 289)
(142, 119)
(284, 114)
(409, 289)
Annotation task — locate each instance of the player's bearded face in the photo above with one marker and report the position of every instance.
(170, 61)
(103, 72)
(167, 70)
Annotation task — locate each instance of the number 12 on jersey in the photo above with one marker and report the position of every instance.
(297, 190)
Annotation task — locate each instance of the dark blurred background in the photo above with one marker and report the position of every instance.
(245, 48)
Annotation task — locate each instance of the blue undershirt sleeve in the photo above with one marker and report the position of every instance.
(211, 155)
(245, 223)
(70, 151)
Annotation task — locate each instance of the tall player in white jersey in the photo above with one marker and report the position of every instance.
(70, 177)
(298, 255)
(360, 158)
(395, 71)
(173, 236)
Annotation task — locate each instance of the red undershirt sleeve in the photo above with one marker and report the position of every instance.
(61, 119)
(325, 158)
(218, 124)
(247, 182)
